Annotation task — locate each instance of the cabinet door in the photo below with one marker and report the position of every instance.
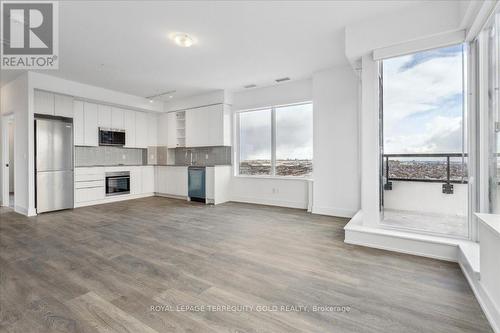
(214, 128)
(104, 116)
(177, 181)
(117, 118)
(141, 134)
(91, 128)
(162, 129)
(192, 119)
(135, 180)
(172, 130)
(129, 126)
(152, 129)
(182, 181)
(63, 106)
(44, 102)
(160, 179)
(205, 126)
(78, 123)
(148, 179)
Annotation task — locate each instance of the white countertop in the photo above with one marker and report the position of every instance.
(491, 220)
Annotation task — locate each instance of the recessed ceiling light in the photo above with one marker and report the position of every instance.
(151, 101)
(182, 39)
(170, 96)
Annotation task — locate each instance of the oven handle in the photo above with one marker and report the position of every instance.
(118, 177)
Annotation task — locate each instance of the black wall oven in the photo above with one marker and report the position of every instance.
(117, 183)
(111, 137)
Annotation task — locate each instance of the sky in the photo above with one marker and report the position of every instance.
(423, 99)
(294, 137)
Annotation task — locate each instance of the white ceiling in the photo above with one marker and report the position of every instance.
(240, 42)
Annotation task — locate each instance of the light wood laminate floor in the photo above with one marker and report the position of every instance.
(103, 268)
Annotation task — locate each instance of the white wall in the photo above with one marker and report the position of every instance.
(271, 191)
(15, 101)
(369, 146)
(277, 192)
(336, 167)
(426, 197)
(419, 21)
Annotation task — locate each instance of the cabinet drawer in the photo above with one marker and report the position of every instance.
(89, 194)
(89, 183)
(89, 177)
(89, 170)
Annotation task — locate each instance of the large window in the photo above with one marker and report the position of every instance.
(276, 141)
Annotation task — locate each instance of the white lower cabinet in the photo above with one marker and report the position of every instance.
(135, 180)
(217, 184)
(148, 179)
(89, 185)
(172, 180)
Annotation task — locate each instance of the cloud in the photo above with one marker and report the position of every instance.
(423, 102)
(294, 133)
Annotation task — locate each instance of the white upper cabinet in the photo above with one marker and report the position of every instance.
(44, 102)
(141, 134)
(172, 130)
(78, 123)
(163, 129)
(129, 127)
(91, 127)
(208, 126)
(53, 104)
(152, 129)
(117, 118)
(104, 116)
(63, 106)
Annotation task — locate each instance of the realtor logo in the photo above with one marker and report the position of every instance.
(29, 35)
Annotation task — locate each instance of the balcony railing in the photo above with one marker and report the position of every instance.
(432, 168)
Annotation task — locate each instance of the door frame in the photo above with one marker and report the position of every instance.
(5, 120)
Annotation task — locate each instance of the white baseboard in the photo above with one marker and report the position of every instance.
(171, 196)
(333, 211)
(490, 310)
(268, 202)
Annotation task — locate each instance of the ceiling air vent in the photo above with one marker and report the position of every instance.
(250, 86)
(282, 79)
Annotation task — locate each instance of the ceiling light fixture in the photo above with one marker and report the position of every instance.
(182, 39)
(250, 86)
(282, 79)
(170, 93)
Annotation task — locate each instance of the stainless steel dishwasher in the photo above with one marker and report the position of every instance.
(196, 183)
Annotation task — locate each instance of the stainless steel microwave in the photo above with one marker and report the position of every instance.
(111, 137)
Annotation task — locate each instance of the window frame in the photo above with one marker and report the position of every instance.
(237, 147)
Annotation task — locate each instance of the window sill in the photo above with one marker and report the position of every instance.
(275, 177)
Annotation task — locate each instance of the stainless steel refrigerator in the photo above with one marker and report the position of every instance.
(54, 163)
